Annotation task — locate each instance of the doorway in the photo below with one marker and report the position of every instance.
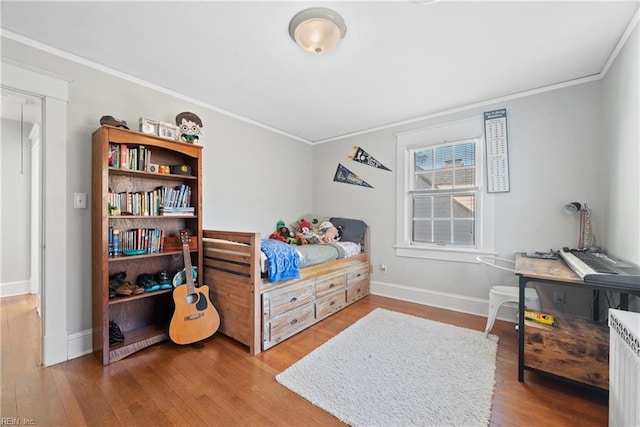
(52, 90)
(20, 196)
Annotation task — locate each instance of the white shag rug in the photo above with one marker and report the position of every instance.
(393, 369)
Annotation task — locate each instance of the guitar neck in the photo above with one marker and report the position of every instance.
(188, 268)
(188, 275)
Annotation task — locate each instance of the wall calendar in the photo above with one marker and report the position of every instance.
(497, 153)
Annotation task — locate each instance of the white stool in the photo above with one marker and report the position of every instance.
(500, 294)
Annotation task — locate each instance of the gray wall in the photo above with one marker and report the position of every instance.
(15, 218)
(248, 182)
(553, 153)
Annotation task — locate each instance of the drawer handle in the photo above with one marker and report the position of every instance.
(331, 303)
(359, 274)
(294, 299)
(358, 290)
(294, 321)
(331, 285)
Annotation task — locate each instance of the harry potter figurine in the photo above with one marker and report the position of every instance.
(189, 127)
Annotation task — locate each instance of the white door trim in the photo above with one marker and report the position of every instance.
(54, 91)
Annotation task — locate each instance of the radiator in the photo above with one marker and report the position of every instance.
(624, 368)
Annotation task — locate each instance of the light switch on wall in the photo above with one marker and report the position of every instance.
(80, 200)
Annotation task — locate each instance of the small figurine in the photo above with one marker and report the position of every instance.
(189, 127)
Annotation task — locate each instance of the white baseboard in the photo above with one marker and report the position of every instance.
(79, 344)
(455, 302)
(10, 289)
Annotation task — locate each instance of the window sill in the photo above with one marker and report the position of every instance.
(444, 253)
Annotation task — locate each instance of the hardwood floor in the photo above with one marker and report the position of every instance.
(221, 384)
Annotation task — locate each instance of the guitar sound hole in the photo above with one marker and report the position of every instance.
(198, 299)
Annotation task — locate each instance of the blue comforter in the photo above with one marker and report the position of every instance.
(283, 260)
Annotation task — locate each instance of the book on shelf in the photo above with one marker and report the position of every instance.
(116, 242)
(114, 155)
(124, 156)
(110, 241)
(177, 211)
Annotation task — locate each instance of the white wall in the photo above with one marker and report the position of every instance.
(249, 180)
(15, 268)
(554, 150)
(621, 150)
(621, 109)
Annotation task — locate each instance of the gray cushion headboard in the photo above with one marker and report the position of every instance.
(353, 230)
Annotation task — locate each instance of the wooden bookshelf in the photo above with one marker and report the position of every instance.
(144, 318)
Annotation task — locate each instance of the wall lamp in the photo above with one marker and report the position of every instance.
(586, 236)
(317, 30)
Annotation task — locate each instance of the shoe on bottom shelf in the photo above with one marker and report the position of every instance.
(115, 334)
(128, 289)
(164, 281)
(147, 282)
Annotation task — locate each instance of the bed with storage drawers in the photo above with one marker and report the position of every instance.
(260, 313)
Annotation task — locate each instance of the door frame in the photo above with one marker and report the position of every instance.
(54, 91)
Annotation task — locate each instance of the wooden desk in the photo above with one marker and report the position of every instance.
(556, 272)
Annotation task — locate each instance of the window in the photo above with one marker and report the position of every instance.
(443, 193)
(443, 211)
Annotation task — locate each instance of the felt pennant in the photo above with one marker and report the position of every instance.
(363, 157)
(345, 176)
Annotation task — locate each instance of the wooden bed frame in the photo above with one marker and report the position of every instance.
(260, 314)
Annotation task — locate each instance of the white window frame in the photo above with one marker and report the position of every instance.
(485, 202)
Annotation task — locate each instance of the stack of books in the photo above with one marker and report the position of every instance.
(177, 211)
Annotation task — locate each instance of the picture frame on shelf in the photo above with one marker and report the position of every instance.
(167, 130)
(148, 126)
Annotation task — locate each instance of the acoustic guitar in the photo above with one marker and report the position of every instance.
(194, 318)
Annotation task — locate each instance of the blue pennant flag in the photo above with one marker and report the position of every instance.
(345, 176)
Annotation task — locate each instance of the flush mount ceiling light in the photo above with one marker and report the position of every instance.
(317, 30)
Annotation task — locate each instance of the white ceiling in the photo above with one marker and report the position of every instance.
(399, 60)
